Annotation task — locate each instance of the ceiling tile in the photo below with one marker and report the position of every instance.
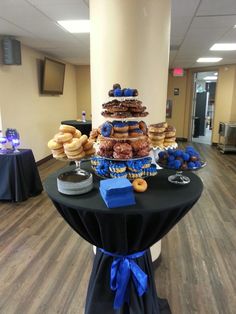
(217, 7)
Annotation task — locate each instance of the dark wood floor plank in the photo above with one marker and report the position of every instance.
(45, 266)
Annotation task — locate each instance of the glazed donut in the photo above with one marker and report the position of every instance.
(121, 134)
(74, 152)
(170, 139)
(139, 185)
(122, 148)
(127, 155)
(170, 128)
(121, 115)
(83, 139)
(156, 136)
(107, 129)
(63, 137)
(67, 128)
(59, 156)
(135, 133)
(77, 134)
(88, 145)
(74, 144)
(77, 157)
(169, 134)
(157, 143)
(158, 127)
(52, 144)
(143, 127)
(133, 125)
(57, 151)
(120, 126)
(154, 129)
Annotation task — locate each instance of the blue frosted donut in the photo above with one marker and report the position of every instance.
(103, 169)
(134, 165)
(128, 92)
(107, 129)
(120, 126)
(135, 132)
(118, 92)
(133, 125)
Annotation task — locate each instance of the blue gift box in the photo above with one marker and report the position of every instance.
(117, 192)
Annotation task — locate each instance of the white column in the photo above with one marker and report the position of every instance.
(129, 44)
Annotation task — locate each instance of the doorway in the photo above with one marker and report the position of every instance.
(203, 106)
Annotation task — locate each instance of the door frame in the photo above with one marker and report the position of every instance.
(192, 106)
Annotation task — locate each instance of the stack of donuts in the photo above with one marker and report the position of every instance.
(123, 149)
(170, 136)
(123, 129)
(162, 135)
(70, 144)
(156, 134)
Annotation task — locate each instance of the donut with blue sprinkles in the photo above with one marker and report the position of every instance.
(134, 165)
(118, 167)
(107, 129)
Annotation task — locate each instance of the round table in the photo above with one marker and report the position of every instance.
(84, 127)
(19, 176)
(124, 231)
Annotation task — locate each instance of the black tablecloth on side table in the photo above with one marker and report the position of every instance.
(19, 177)
(125, 231)
(84, 127)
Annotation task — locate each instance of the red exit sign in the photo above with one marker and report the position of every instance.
(178, 72)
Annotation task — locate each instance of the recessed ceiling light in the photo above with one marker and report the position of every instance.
(207, 78)
(224, 47)
(216, 73)
(208, 60)
(75, 26)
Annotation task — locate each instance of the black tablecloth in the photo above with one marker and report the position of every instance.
(125, 231)
(19, 176)
(84, 127)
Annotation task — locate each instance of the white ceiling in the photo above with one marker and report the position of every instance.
(196, 26)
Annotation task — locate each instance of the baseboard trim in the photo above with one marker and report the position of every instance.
(181, 139)
(42, 161)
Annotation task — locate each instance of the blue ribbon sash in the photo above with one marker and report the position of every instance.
(123, 269)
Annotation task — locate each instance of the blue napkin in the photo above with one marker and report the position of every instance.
(116, 186)
(125, 199)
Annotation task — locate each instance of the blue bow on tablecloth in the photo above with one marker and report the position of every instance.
(122, 268)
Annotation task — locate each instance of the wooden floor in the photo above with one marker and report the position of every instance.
(45, 266)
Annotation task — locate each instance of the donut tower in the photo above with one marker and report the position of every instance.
(123, 145)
